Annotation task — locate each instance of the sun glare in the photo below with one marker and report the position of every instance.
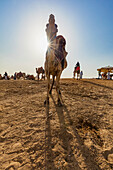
(48, 44)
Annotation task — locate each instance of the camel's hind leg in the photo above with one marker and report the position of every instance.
(58, 90)
(78, 75)
(48, 88)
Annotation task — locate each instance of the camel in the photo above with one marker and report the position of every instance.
(77, 70)
(30, 77)
(55, 61)
(78, 73)
(39, 71)
(20, 75)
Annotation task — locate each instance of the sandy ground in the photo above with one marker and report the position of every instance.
(78, 135)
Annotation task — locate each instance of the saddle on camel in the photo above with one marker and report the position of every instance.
(55, 57)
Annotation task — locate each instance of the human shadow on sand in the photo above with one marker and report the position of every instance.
(90, 82)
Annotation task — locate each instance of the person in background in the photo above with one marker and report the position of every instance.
(108, 76)
(15, 76)
(81, 74)
(99, 75)
(5, 75)
(105, 75)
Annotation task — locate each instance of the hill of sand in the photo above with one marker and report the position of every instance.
(78, 135)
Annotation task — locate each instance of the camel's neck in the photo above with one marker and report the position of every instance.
(51, 31)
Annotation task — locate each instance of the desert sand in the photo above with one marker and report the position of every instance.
(76, 136)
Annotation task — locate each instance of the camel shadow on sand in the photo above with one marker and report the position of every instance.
(49, 163)
(66, 137)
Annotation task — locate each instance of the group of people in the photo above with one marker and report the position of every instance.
(7, 77)
(17, 76)
(105, 75)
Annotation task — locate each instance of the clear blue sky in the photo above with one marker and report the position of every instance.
(87, 26)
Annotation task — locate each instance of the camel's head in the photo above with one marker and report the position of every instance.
(51, 19)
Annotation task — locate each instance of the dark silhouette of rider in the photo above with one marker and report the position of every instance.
(77, 65)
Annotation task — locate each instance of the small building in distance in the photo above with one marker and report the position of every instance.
(105, 72)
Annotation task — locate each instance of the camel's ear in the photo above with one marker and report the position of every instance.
(66, 53)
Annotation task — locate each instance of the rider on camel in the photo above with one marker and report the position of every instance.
(77, 66)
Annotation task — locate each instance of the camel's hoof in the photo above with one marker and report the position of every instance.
(59, 103)
(59, 92)
(50, 92)
(46, 102)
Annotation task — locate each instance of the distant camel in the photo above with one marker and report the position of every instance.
(39, 71)
(54, 65)
(20, 75)
(30, 77)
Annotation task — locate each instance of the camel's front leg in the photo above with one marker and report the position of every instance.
(38, 76)
(77, 76)
(74, 74)
(58, 89)
(52, 85)
(42, 76)
(48, 88)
